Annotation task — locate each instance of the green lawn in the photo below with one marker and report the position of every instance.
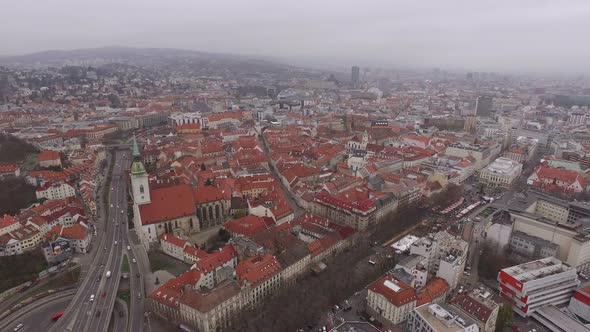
(125, 296)
(18, 269)
(159, 261)
(125, 265)
(62, 280)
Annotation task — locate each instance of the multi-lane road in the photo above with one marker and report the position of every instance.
(92, 306)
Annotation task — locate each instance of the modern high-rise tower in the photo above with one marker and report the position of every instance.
(355, 77)
(483, 106)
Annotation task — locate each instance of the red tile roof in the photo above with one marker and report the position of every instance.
(433, 289)
(473, 307)
(216, 259)
(404, 295)
(48, 155)
(249, 225)
(258, 269)
(8, 168)
(205, 194)
(168, 203)
(7, 221)
(173, 240)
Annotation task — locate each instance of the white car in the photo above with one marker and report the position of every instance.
(122, 212)
(128, 248)
(92, 298)
(111, 205)
(115, 242)
(133, 260)
(19, 326)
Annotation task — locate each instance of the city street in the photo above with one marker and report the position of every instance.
(91, 308)
(37, 316)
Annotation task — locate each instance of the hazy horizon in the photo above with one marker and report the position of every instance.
(527, 36)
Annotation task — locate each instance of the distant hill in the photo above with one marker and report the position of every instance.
(169, 60)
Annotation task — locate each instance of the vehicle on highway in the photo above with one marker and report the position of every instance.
(116, 224)
(97, 313)
(122, 212)
(111, 205)
(57, 315)
(139, 295)
(103, 294)
(92, 298)
(133, 260)
(137, 275)
(19, 326)
(112, 188)
(108, 275)
(128, 248)
(116, 242)
(105, 248)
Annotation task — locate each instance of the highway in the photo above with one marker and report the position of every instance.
(37, 316)
(91, 308)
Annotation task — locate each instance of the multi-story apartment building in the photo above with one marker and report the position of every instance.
(446, 255)
(390, 300)
(439, 318)
(563, 223)
(358, 215)
(532, 247)
(534, 284)
(55, 190)
(480, 306)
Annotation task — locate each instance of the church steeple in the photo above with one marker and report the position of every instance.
(139, 178)
(136, 153)
(137, 166)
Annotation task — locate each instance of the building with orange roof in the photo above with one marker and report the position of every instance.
(77, 235)
(8, 224)
(212, 204)
(248, 226)
(260, 276)
(173, 246)
(9, 170)
(170, 210)
(55, 190)
(49, 158)
(549, 178)
(23, 239)
(435, 291)
(390, 300)
(480, 305)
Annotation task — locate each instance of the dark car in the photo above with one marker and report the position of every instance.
(97, 313)
(120, 313)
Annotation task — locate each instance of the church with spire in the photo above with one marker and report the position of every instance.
(160, 210)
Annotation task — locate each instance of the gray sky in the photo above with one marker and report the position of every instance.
(522, 35)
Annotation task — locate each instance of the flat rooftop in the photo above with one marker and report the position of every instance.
(443, 318)
(537, 269)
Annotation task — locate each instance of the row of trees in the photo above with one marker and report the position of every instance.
(15, 194)
(311, 296)
(13, 149)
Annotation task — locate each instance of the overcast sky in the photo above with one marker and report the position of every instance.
(521, 35)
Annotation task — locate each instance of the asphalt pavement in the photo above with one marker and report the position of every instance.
(37, 316)
(92, 306)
